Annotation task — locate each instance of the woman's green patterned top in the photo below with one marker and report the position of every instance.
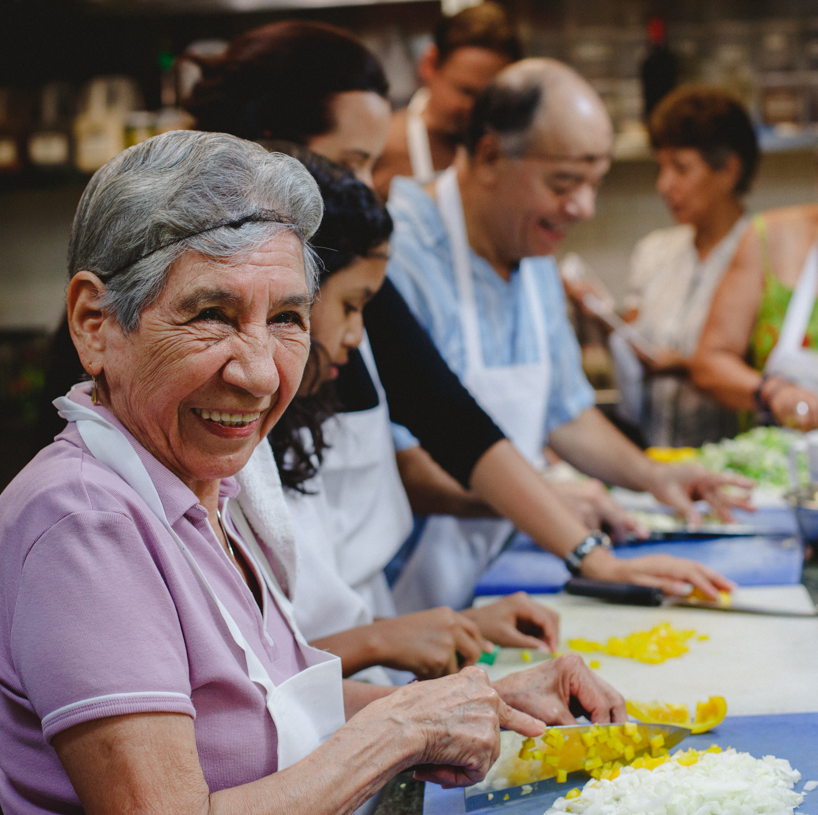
(774, 301)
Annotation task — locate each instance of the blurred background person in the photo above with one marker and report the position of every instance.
(707, 152)
(758, 348)
(469, 48)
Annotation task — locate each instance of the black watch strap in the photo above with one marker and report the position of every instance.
(573, 560)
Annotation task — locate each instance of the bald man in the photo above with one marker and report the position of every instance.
(472, 256)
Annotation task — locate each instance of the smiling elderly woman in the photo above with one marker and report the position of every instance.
(148, 656)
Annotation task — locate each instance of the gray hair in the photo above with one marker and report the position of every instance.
(186, 191)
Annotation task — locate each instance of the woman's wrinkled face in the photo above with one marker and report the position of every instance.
(337, 316)
(359, 135)
(690, 186)
(215, 361)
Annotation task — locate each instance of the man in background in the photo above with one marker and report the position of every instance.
(472, 255)
(469, 49)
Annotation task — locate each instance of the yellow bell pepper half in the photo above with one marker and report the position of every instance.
(708, 714)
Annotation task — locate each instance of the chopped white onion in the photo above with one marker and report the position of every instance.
(810, 786)
(727, 783)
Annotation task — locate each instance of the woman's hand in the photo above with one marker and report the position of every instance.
(517, 621)
(429, 643)
(592, 504)
(674, 575)
(679, 485)
(561, 689)
(794, 406)
(458, 721)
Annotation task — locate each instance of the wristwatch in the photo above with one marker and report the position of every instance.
(573, 560)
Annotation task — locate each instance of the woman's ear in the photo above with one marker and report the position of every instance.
(732, 170)
(87, 322)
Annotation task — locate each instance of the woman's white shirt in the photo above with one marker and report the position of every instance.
(673, 290)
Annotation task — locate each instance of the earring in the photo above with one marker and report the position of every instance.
(94, 392)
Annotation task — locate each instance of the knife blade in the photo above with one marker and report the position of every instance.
(635, 595)
(512, 777)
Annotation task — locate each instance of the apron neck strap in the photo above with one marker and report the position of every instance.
(450, 206)
(417, 138)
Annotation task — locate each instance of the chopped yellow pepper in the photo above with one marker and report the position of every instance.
(708, 714)
(671, 454)
(660, 643)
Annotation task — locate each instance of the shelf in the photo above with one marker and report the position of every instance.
(176, 7)
(31, 179)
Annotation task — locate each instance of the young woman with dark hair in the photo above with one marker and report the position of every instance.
(352, 515)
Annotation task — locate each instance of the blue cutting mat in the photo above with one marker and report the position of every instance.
(792, 736)
(753, 561)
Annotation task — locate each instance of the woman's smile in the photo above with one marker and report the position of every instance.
(228, 420)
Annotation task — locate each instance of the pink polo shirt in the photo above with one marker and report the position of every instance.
(101, 615)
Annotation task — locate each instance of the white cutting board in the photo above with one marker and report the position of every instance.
(759, 664)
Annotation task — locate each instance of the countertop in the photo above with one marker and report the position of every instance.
(722, 664)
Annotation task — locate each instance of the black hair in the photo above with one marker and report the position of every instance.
(278, 81)
(507, 112)
(355, 223)
(711, 121)
(483, 26)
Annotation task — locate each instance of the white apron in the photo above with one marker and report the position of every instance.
(308, 707)
(452, 553)
(789, 359)
(417, 138)
(368, 515)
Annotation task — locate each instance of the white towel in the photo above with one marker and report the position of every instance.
(262, 501)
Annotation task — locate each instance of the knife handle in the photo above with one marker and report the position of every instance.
(628, 593)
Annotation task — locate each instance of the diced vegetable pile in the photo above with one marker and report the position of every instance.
(600, 750)
(690, 783)
(660, 643)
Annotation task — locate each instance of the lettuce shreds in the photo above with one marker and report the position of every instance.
(761, 454)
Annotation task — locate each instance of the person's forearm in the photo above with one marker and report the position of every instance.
(432, 491)
(725, 377)
(338, 777)
(359, 648)
(357, 695)
(149, 762)
(515, 490)
(594, 446)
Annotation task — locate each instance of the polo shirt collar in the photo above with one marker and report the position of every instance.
(177, 498)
